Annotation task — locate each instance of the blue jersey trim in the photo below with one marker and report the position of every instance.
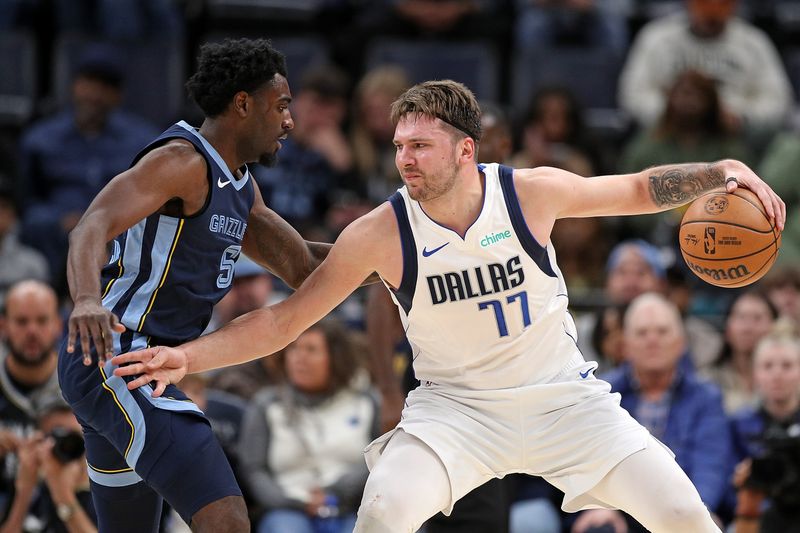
(237, 184)
(139, 249)
(408, 284)
(131, 256)
(536, 251)
(114, 479)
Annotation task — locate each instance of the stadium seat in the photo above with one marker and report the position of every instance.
(473, 63)
(154, 75)
(591, 74)
(18, 85)
(264, 9)
(301, 51)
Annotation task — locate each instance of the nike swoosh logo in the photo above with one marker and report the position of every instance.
(221, 184)
(585, 375)
(428, 253)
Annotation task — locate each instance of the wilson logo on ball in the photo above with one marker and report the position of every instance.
(734, 272)
(716, 205)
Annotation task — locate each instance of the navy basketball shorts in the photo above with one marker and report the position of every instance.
(131, 437)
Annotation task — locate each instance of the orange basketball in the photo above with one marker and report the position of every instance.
(727, 239)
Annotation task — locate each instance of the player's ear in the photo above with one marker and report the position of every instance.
(468, 148)
(241, 103)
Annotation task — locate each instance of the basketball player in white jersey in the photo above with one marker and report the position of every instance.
(465, 251)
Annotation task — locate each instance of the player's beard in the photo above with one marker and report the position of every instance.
(26, 360)
(268, 160)
(431, 191)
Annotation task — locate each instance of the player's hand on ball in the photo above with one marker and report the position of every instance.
(738, 174)
(160, 364)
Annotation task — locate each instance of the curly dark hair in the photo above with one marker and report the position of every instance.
(223, 69)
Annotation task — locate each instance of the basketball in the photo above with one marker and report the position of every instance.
(727, 239)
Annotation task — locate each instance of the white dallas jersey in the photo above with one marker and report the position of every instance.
(487, 311)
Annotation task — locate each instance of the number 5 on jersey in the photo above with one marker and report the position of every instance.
(227, 265)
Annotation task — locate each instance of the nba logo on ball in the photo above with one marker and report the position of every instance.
(739, 242)
(710, 242)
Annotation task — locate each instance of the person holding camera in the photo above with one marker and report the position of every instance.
(767, 441)
(31, 327)
(52, 483)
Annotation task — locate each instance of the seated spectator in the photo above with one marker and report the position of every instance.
(635, 267)
(372, 131)
(769, 434)
(750, 317)
(66, 159)
(497, 140)
(316, 158)
(691, 128)
(590, 23)
(779, 168)
(302, 442)
(52, 482)
(17, 261)
(754, 89)
(31, 327)
(552, 133)
(677, 408)
(782, 287)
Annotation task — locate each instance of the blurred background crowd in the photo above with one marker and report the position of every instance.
(591, 86)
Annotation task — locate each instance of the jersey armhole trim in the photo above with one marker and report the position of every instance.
(408, 283)
(536, 251)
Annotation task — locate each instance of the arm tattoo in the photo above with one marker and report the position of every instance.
(677, 185)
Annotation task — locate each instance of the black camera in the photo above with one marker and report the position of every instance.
(68, 445)
(776, 471)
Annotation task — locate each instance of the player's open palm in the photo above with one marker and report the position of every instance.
(93, 324)
(160, 364)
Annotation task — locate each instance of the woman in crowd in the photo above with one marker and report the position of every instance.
(302, 442)
(750, 317)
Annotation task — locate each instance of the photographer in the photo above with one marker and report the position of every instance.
(767, 441)
(30, 328)
(52, 483)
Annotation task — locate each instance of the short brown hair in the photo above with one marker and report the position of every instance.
(447, 100)
(343, 351)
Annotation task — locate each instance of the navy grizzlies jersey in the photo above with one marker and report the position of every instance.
(166, 273)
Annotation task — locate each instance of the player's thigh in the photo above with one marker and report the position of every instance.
(407, 485)
(650, 486)
(174, 452)
(191, 472)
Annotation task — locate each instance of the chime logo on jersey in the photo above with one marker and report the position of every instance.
(479, 281)
(495, 237)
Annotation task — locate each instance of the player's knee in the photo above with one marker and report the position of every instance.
(382, 512)
(685, 515)
(227, 515)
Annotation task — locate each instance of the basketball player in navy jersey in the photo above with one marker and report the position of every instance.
(464, 250)
(177, 221)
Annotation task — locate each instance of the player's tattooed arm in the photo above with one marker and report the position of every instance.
(671, 186)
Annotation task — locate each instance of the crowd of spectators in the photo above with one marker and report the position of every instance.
(713, 373)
